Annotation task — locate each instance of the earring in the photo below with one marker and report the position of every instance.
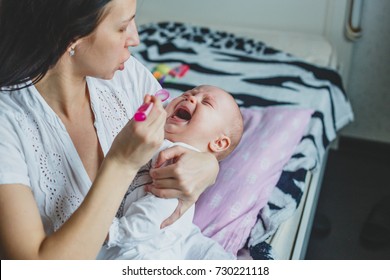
(71, 52)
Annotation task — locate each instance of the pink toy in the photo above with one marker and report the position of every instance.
(145, 109)
(179, 71)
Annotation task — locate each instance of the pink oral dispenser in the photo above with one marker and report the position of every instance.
(144, 110)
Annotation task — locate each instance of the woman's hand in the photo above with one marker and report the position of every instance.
(136, 143)
(186, 179)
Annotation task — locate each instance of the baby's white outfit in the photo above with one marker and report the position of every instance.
(137, 234)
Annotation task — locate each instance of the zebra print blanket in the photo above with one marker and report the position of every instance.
(257, 75)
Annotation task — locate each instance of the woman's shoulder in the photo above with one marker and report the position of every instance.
(10, 112)
(12, 101)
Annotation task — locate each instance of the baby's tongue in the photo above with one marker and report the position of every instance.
(183, 114)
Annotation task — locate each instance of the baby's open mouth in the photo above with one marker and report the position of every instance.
(183, 113)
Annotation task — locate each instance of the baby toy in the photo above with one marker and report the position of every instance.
(162, 71)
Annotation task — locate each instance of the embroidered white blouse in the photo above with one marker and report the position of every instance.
(37, 151)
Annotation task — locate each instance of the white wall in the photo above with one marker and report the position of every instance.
(284, 15)
(369, 77)
(324, 18)
(366, 77)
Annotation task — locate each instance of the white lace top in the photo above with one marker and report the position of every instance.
(37, 151)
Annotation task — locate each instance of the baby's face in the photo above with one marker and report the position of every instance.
(198, 116)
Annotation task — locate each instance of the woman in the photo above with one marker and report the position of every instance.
(68, 151)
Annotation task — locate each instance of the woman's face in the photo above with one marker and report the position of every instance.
(105, 51)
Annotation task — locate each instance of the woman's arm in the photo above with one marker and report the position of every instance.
(187, 178)
(21, 230)
(22, 235)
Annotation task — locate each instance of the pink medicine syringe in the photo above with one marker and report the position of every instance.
(145, 109)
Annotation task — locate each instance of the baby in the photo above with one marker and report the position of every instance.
(205, 119)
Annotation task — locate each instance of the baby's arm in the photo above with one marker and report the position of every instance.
(141, 221)
(144, 213)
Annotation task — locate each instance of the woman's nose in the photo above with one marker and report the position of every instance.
(132, 36)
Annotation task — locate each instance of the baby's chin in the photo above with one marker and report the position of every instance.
(169, 129)
(177, 137)
(170, 134)
(174, 135)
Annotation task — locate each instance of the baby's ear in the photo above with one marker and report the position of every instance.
(220, 144)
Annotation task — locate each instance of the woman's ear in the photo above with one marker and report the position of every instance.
(71, 49)
(220, 144)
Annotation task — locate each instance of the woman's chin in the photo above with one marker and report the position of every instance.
(107, 76)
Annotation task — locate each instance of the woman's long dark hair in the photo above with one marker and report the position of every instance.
(34, 34)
